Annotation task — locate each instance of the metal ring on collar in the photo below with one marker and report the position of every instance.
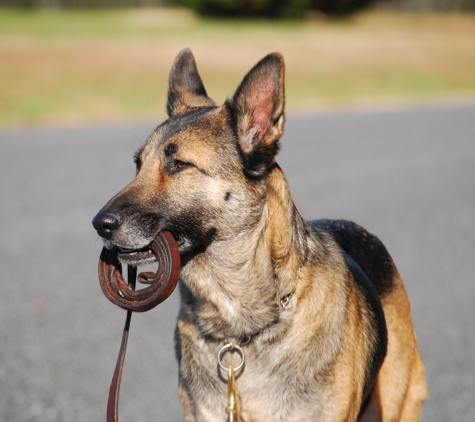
(231, 347)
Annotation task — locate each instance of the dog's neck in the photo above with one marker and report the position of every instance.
(234, 290)
(285, 234)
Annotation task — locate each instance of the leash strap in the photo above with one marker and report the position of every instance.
(113, 400)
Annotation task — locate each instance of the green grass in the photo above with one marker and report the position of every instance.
(65, 68)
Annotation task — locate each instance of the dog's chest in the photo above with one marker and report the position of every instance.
(267, 390)
(272, 397)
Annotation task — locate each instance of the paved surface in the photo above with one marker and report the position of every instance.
(406, 176)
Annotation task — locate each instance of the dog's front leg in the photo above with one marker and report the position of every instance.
(186, 403)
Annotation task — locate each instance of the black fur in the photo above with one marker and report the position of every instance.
(365, 249)
(184, 77)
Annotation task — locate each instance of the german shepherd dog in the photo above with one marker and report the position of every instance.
(317, 308)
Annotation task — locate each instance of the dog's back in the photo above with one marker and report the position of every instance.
(367, 251)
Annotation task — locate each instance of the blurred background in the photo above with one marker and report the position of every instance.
(66, 62)
(380, 130)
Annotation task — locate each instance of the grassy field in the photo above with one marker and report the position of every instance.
(63, 68)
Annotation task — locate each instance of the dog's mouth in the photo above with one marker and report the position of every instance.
(141, 256)
(136, 257)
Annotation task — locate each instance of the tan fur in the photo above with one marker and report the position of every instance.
(318, 307)
(317, 301)
(401, 388)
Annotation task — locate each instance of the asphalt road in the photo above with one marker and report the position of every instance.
(407, 176)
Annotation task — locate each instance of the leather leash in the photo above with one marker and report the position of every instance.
(161, 285)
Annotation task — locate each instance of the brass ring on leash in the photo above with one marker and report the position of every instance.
(231, 347)
(161, 286)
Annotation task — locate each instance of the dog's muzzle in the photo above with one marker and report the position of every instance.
(107, 224)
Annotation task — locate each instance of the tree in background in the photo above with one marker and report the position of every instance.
(287, 9)
(290, 9)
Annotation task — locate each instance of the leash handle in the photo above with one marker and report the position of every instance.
(113, 400)
(160, 286)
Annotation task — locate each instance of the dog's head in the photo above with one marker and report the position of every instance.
(201, 174)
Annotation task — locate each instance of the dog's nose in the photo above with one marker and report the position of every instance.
(105, 224)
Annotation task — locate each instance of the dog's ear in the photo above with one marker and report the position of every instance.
(258, 106)
(185, 88)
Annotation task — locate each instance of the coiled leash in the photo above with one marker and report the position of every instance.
(161, 285)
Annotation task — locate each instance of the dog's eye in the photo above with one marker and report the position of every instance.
(178, 165)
